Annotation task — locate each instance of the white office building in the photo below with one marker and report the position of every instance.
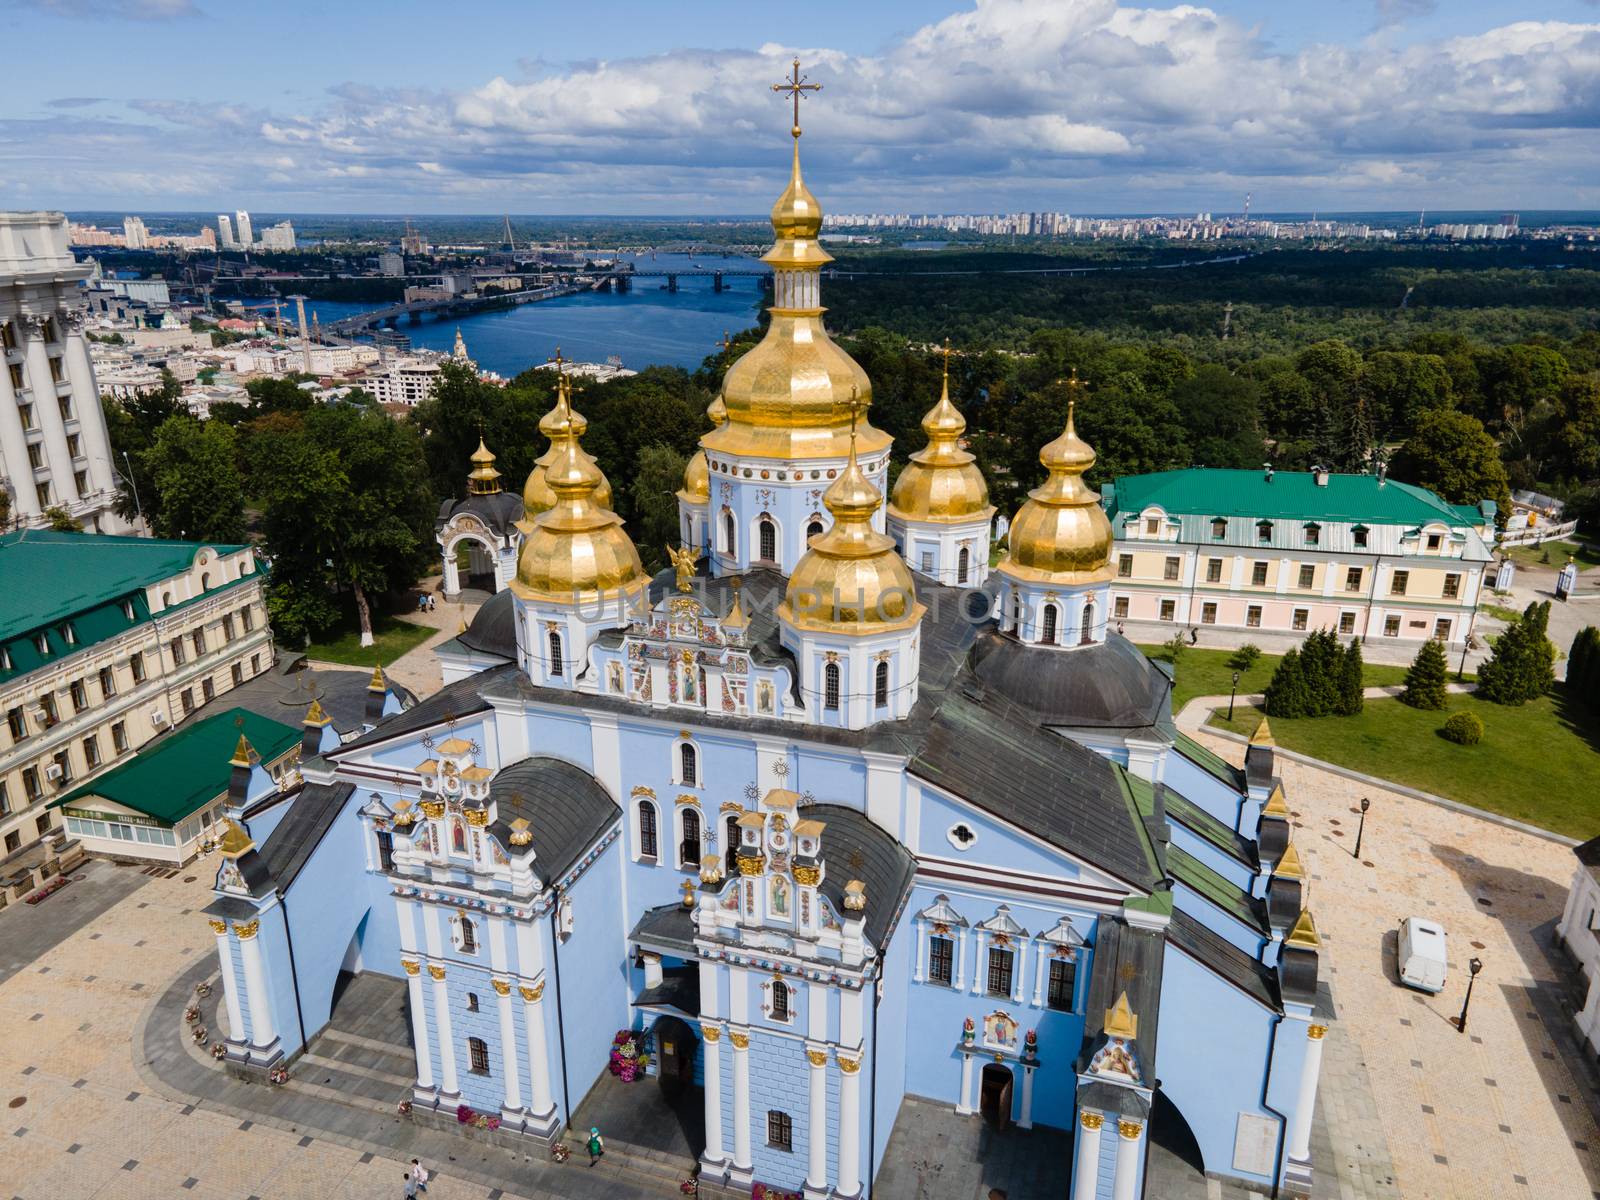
(54, 448)
(278, 237)
(225, 231)
(241, 223)
(134, 235)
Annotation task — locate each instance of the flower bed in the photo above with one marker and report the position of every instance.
(628, 1059)
(49, 889)
(467, 1115)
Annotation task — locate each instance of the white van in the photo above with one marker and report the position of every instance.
(1422, 954)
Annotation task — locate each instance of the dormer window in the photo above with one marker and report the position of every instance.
(1435, 540)
(42, 641)
(1152, 526)
(1263, 531)
(128, 610)
(69, 635)
(1313, 534)
(1219, 527)
(1359, 534)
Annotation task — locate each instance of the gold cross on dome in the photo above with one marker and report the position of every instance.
(558, 361)
(855, 406)
(726, 343)
(1074, 386)
(947, 358)
(796, 86)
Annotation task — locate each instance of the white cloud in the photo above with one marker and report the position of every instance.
(1075, 104)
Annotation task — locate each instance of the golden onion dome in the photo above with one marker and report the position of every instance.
(577, 550)
(697, 475)
(1061, 534)
(483, 479)
(851, 579)
(561, 423)
(942, 482)
(788, 397)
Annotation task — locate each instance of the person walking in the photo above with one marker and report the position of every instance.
(420, 1174)
(411, 1186)
(596, 1145)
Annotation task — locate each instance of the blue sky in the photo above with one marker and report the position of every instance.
(633, 107)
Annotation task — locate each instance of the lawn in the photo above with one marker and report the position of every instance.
(1536, 763)
(1207, 673)
(391, 636)
(1554, 555)
(1499, 612)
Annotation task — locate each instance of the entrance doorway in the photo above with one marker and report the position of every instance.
(995, 1095)
(675, 1050)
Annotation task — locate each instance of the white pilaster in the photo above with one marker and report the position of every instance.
(540, 1104)
(1086, 1169)
(1126, 1185)
(741, 1099)
(921, 934)
(964, 1098)
(713, 1156)
(849, 1128)
(508, 1046)
(1305, 1105)
(1026, 1121)
(817, 1133)
(448, 1084)
(230, 985)
(419, 1023)
(263, 1032)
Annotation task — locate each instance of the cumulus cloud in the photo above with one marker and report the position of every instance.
(1076, 105)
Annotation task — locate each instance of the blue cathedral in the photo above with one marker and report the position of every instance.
(842, 809)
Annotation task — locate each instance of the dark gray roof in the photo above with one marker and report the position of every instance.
(1209, 761)
(1198, 821)
(980, 747)
(459, 699)
(565, 806)
(679, 988)
(1109, 685)
(1126, 959)
(1114, 1097)
(310, 816)
(498, 510)
(854, 848)
(1223, 958)
(1206, 883)
(284, 697)
(494, 627)
(670, 927)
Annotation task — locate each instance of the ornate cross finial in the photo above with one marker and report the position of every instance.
(1073, 385)
(560, 363)
(947, 359)
(855, 407)
(797, 87)
(726, 343)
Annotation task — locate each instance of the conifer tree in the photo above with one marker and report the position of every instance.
(1287, 694)
(1522, 666)
(1425, 681)
(1351, 699)
(1583, 667)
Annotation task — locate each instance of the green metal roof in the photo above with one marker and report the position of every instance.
(1290, 496)
(51, 581)
(180, 774)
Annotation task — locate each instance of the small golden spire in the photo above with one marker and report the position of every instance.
(378, 683)
(1121, 1021)
(483, 479)
(316, 715)
(1304, 934)
(243, 754)
(1263, 735)
(736, 620)
(235, 841)
(1277, 804)
(1289, 864)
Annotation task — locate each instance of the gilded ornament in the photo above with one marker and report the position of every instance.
(501, 987)
(688, 798)
(849, 1065)
(532, 994)
(411, 968)
(1316, 1032)
(435, 970)
(711, 1032)
(1130, 1130)
(741, 1041)
(218, 927)
(477, 817)
(817, 1058)
(1092, 1120)
(751, 864)
(807, 876)
(247, 930)
(433, 809)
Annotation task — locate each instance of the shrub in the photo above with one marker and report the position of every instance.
(1522, 666)
(1425, 681)
(1321, 663)
(1245, 657)
(1351, 683)
(1464, 729)
(1175, 646)
(1287, 695)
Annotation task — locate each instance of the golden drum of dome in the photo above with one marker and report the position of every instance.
(942, 482)
(851, 579)
(1061, 534)
(483, 479)
(577, 551)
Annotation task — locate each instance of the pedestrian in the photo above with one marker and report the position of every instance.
(422, 601)
(411, 1186)
(596, 1146)
(433, 602)
(1194, 635)
(420, 1174)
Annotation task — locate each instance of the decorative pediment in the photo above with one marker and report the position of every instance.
(1003, 924)
(376, 810)
(1118, 1062)
(1063, 935)
(941, 912)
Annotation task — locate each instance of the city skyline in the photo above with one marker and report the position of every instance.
(928, 107)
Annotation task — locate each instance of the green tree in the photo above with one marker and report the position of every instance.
(1351, 682)
(1221, 414)
(1426, 677)
(1522, 665)
(1515, 379)
(1399, 386)
(132, 424)
(1451, 454)
(61, 521)
(1287, 694)
(194, 470)
(1583, 667)
(1573, 448)
(655, 504)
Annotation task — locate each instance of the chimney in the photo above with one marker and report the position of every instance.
(1383, 473)
(1319, 473)
(1267, 467)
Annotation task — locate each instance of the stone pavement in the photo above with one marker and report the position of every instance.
(30, 931)
(1504, 1110)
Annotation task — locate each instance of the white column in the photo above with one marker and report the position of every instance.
(713, 1044)
(980, 969)
(1027, 1098)
(817, 1145)
(419, 1022)
(47, 414)
(508, 1045)
(262, 1030)
(13, 441)
(96, 440)
(921, 935)
(448, 1084)
(1300, 1130)
(1126, 1186)
(539, 1102)
(1086, 1170)
(849, 1128)
(230, 985)
(741, 1099)
(452, 577)
(963, 1101)
(1038, 977)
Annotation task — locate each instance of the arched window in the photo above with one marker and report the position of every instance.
(769, 539)
(1050, 620)
(830, 687)
(880, 685)
(469, 937)
(1086, 633)
(557, 666)
(780, 1001)
(472, 1001)
(688, 764)
(478, 1056)
(1016, 613)
(814, 529)
(727, 532)
(963, 564)
(205, 580)
(689, 848)
(647, 829)
(730, 846)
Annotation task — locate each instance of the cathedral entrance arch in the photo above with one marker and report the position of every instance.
(676, 1045)
(994, 1095)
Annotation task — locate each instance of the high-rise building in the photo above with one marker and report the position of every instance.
(134, 234)
(241, 221)
(225, 228)
(278, 237)
(54, 449)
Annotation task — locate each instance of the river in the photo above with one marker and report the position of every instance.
(644, 327)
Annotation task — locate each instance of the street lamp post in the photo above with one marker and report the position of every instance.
(1362, 827)
(1232, 694)
(1473, 968)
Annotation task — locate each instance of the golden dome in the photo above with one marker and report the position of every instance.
(697, 475)
(1061, 534)
(942, 481)
(483, 479)
(851, 579)
(559, 424)
(577, 550)
(789, 396)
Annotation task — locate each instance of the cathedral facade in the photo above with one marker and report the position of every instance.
(830, 815)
